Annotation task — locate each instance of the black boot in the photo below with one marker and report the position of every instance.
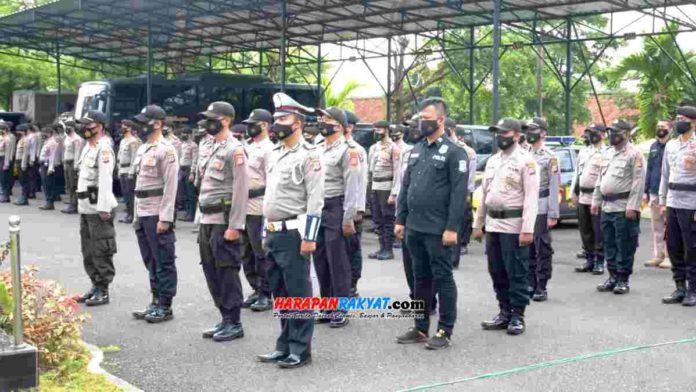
(677, 296)
(375, 255)
(386, 254)
(84, 297)
(160, 314)
(608, 285)
(690, 299)
(140, 314)
(69, 209)
(250, 300)
(622, 286)
(48, 207)
(540, 294)
(516, 325)
(598, 268)
(262, 304)
(354, 290)
(498, 322)
(229, 331)
(100, 297)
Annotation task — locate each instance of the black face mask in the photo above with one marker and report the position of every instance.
(662, 133)
(594, 138)
(504, 142)
(616, 138)
(682, 127)
(309, 137)
(396, 138)
(533, 137)
(378, 137)
(184, 138)
(86, 133)
(213, 127)
(414, 135)
(327, 129)
(197, 139)
(253, 130)
(281, 131)
(427, 127)
(147, 130)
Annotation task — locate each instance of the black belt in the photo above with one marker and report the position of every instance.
(144, 194)
(615, 197)
(382, 179)
(682, 187)
(91, 193)
(586, 190)
(188, 167)
(254, 193)
(504, 214)
(124, 165)
(544, 193)
(70, 162)
(224, 206)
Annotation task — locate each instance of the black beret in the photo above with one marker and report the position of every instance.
(351, 118)
(596, 127)
(381, 124)
(687, 111)
(621, 125)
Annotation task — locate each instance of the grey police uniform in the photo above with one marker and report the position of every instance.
(342, 180)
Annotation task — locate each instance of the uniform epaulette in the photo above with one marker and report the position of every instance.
(309, 147)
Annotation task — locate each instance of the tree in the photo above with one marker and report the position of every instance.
(662, 76)
(341, 98)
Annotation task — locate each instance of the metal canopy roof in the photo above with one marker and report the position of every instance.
(116, 31)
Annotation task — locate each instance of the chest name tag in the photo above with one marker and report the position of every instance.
(439, 157)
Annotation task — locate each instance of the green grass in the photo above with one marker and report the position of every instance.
(110, 349)
(73, 376)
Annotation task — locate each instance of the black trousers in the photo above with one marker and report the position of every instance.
(331, 258)
(508, 263)
(24, 183)
(253, 255)
(159, 255)
(681, 245)
(127, 190)
(384, 216)
(34, 179)
(463, 236)
(288, 276)
(540, 254)
(180, 190)
(591, 235)
(98, 241)
(432, 265)
(354, 246)
(70, 182)
(47, 183)
(620, 243)
(4, 178)
(221, 260)
(410, 281)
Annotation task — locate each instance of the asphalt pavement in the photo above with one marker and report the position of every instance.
(567, 347)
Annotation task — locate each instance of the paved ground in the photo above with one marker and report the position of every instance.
(363, 357)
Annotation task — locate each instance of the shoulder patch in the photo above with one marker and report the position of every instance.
(239, 157)
(354, 156)
(443, 149)
(531, 168)
(553, 165)
(106, 156)
(315, 164)
(397, 154)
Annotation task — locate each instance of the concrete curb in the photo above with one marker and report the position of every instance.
(95, 367)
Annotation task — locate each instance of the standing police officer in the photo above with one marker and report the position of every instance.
(126, 166)
(430, 212)
(72, 149)
(96, 203)
(384, 158)
(509, 210)
(617, 195)
(259, 150)
(652, 187)
(156, 169)
(678, 202)
(540, 251)
(22, 160)
(47, 166)
(292, 207)
(590, 160)
(7, 166)
(354, 242)
(224, 194)
(185, 190)
(4, 156)
(341, 162)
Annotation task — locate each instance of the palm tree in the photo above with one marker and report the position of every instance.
(341, 98)
(663, 78)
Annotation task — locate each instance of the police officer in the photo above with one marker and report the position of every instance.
(130, 142)
(224, 194)
(59, 172)
(47, 166)
(510, 202)
(22, 160)
(617, 194)
(310, 133)
(292, 208)
(170, 134)
(384, 158)
(5, 156)
(396, 133)
(590, 160)
(156, 168)
(678, 203)
(34, 142)
(431, 207)
(186, 192)
(342, 186)
(7, 167)
(465, 231)
(540, 250)
(73, 144)
(652, 188)
(239, 132)
(96, 203)
(354, 242)
(259, 151)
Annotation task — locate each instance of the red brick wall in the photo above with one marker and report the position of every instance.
(369, 109)
(611, 112)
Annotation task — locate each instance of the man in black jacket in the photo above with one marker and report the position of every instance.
(652, 188)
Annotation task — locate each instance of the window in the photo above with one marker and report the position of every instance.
(565, 160)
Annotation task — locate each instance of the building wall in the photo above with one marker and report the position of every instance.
(370, 109)
(611, 112)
